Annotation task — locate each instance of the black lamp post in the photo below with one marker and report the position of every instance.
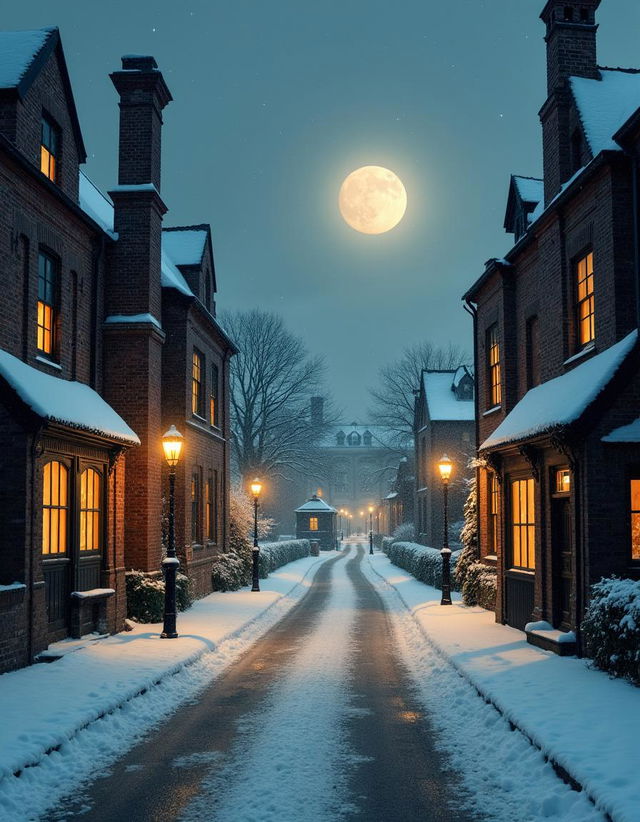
(371, 529)
(172, 442)
(445, 467)
(256, 488)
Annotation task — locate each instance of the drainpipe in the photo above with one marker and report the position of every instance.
(636, 235)
(32, 520)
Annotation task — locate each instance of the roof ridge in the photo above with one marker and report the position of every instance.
(525, 177)
(195, 227)
(620, 69)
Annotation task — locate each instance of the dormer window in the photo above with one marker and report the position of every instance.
(354, 438)
(367, 438)
(340, 438)
(49, 149)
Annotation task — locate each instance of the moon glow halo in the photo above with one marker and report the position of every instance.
(372, 200)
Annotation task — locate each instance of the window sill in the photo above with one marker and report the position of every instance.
(490, 559)
(584, 352)
(492, 410)
(47, 361)
(521, 572)
(199, 418)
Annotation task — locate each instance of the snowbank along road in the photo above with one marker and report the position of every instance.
(341, 711)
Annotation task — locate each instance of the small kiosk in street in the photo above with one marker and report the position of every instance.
(316, 520)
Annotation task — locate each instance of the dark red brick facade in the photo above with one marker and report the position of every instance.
(124, 331)
(535, 286)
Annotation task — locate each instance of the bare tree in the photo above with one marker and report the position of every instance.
(393, 397)
(272, 380)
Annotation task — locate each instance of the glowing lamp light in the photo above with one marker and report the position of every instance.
(445, 466)
(172, 441)
(371, 509)
(256, 488)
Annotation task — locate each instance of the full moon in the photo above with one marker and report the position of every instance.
(372, 200)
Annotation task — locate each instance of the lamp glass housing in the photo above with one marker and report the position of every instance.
(256, 487)
(172, 441)
(445, 466)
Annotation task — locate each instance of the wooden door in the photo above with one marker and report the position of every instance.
(562, 558)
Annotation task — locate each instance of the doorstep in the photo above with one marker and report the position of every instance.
(68, 646)
(545, 636)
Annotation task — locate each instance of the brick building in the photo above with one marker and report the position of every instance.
(107, 337)
(556, 348)
(444, 424)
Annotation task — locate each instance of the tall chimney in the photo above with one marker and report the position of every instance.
(133, 340)
(571, 52)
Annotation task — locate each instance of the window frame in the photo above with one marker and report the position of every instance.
(49, 507)
(97, 513)
(49, 148)
(634, 477)
(48, 301)
(587, 300)
(198, 365)
(493, 366)
(214, 395)
(529, 525)
(196, 506)
(493, 512)
(314, 524)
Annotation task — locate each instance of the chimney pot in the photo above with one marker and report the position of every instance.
(138, 62)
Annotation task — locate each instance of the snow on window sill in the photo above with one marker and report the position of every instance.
(588, 349)
(50, 363)
(491, 558)
(492, 410)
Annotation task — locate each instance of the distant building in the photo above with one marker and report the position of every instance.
(316, 520)
(558, 374)
(107, 337)
(444, 424)
(397, 506)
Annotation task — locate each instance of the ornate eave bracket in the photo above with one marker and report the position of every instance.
(531, 457)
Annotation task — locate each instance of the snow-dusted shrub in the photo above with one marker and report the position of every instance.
(275, 554)
(387, 542)
(611, 627)
(377, 540)
(480, 585)
(145, 596)
(422, 562)
(406, 532)
(228, 572)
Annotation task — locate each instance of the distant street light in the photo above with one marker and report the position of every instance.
(256, 488)
(172, 441)
(371, 529)
(445, 466)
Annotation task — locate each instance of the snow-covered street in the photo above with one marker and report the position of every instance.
(342, 710)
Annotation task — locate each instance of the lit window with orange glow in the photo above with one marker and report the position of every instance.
(586, 307)
(313, 523)
(90, 509)
(196, 383)
(523, 525)
(563, 481)
(494, 367)
(494, 510)
(47, 304)
(635, 520)
(55, 508)
(213, 397)
(48, 149)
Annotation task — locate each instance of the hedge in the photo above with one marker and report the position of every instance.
(611, 627)
(275, 554)
(145, 596)
(229, 572)
(480, 586)
(387, 542)
(424, 563)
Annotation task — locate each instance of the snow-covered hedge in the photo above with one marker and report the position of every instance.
(229, 571)
(275, 554)
(480, 585)
(145, 596)
(406, 532)
(422, 562)
(611, 627)
(387, 542)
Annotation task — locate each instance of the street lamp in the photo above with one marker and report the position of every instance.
(445, 466)
(371, 529)
(172, 441)
(256, 488)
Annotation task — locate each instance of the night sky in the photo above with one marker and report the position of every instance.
(276, 102)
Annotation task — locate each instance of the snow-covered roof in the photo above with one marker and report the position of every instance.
(441, 398)
(185, 246)
(605, 105)
(625, 433)
(18, 50)
(69, 403)
(530, 189)
(315, 504)
(561, 401)
(100, 208)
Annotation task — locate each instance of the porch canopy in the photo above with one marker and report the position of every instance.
(72, 404)
(560, 402)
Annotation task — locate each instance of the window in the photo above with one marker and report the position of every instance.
(49, 149)
(493, 367)
(340, 438)
(55, 508)
(635, 520)
(313, 523)
(213, 397)
(196, 383)
(523, 524)
(533, 353)
(47, 304)
(586, 310)
(196, 527)
(90, 509)
(211, 507)
(354, 438)
(563, 481)
(494, 511)
(367, 438)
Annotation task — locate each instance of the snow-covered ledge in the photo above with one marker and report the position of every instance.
(543, 635)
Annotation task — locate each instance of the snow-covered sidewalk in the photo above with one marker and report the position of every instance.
(68, 695)
(581, 719)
